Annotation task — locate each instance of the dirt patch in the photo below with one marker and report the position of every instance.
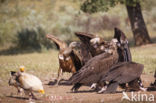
(62, 94)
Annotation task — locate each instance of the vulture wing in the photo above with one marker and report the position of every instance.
(125, 52)
(76, 60)
(85, 39)
(124, 72)
(93, 70)
(60, 44)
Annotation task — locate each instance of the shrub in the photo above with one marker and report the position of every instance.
(31, 39)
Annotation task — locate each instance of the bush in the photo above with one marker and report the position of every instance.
(32, 39)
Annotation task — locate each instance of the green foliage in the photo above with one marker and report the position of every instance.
(92, 6)
(64, 18)
(31, 39)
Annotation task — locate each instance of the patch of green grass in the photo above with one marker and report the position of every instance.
(145, 55)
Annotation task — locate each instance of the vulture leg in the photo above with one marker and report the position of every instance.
(136, 85)
(93, 86)
(76, 87)
(33, 96)
(112, 86)
(103, 89)
(19, 91)
(59, 77)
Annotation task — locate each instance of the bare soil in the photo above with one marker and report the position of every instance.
(62, 94)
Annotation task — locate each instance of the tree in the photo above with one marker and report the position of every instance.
(138, 25)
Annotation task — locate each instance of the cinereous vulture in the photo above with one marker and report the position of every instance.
(91, 45)
(121, 73)
(93, 70)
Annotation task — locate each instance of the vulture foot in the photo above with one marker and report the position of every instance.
(93, 86)
(76, 87)
(103, 89)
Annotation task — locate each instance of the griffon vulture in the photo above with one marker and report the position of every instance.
(123, 72)
(97, 66)
(28, 82)
(69, 61)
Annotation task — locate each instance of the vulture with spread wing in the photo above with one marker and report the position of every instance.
(93, 70)
(123, 72)
(100, 63)
(91, 45)
(69, 61)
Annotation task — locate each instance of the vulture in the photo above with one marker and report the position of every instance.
(121, 73)
(98, 49)
(124, 51)
(69, 61)
(28, 82)
(91, 45)
(93, 70)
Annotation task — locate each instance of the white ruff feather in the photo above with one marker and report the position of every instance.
(95, 40)
(67, 58)
(61, 57)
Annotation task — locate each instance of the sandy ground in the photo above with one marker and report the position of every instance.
(62, 94)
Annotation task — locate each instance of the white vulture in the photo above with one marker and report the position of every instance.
(28, 82)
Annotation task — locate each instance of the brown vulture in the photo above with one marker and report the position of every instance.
(91, 45)
(124, 51)
(68, 58)
(123, 72)
(86, 75)
(96, 67)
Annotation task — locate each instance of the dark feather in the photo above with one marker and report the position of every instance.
(76, 60)
(125, 54)
(93, 70)
(85, 39)
(124, 72)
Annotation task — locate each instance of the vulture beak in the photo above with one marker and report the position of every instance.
(41, 91)
(22, 68)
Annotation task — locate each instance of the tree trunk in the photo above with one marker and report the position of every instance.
(138, 25)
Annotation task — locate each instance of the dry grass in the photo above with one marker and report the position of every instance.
(45, 64)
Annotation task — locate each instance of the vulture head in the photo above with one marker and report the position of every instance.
(112, 46)
(120, 36)
(71, 47)
(13, 78)
(98, 44)
(74, 45)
